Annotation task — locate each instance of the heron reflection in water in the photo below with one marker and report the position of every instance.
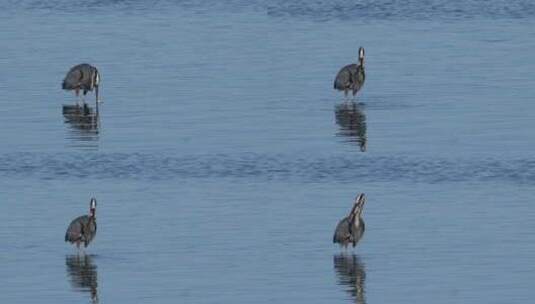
(351, 274)
(82, 118)
(352, 123)
(80, 137)
(83, 274)
(83, 131)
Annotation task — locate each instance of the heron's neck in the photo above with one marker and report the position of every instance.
(356, 222)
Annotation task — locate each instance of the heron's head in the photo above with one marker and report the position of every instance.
(361, 54)
(359, 203)
(92, 206)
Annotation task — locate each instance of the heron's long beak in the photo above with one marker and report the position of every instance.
(360, 202)
(358, 206)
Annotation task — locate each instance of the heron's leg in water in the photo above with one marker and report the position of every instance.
(345, 94)
(354, 96)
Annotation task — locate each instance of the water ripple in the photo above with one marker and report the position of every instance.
(321, 10)
(262, 167)
(408, 10)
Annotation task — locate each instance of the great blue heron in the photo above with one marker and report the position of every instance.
(83, 228)
(351, 228)
(352, 76)
(83, 77)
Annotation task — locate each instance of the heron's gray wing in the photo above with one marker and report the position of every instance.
(343, 78)
(340, 79)
(75, 230)
(87, 77)
(72, 79)
(342, 232)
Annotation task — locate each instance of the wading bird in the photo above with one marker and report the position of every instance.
(352, 76)
(83, 77)
(83, 228)
(351, 228)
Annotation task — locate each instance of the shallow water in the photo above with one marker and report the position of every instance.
(225, 159)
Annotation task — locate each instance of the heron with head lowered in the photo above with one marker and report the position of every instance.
(82, 77)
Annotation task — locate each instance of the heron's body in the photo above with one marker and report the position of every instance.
(83, 228)
(351, 228)
(351, 77)
(83, 77)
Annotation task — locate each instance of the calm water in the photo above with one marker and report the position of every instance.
(225, 159)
